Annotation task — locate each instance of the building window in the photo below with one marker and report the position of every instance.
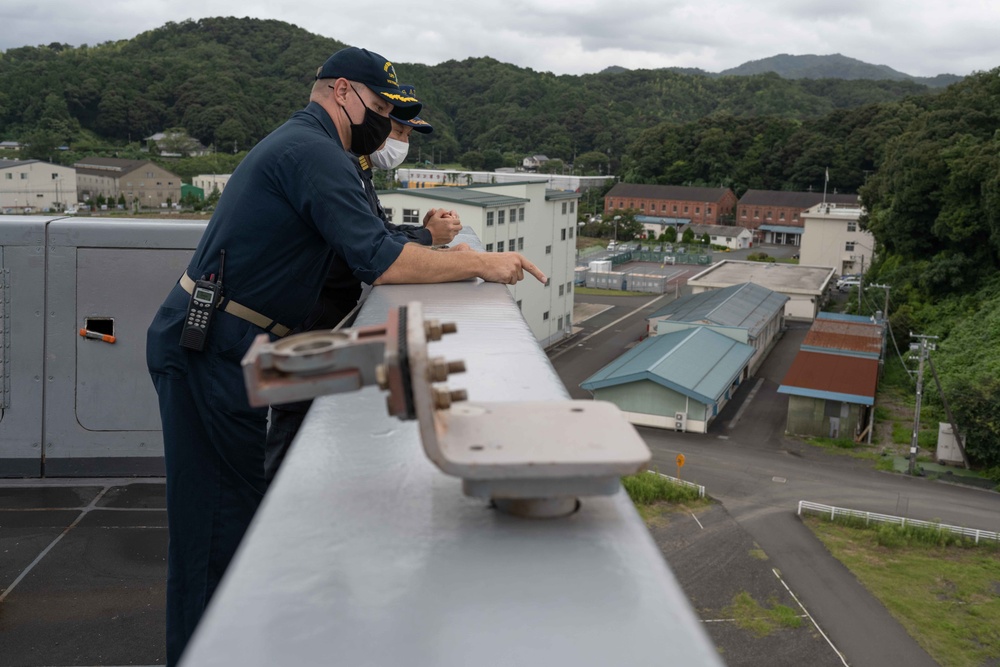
(675, 208)
(489, 247)
(9, 176)
(520, 243)
(697, 209)
(708, 211)
(562, 233)
(795, 216)
(571, 232)
(24, 176)
(569, 287)
(548, 250)
(489, 218)
(55, 177)
(621, 203)
(756, 214)
(781, 215)
(388, 214)
(500, 217)
(545, 315)
(572, 207)
(559, 326)
(768, 215)
(642, 206)
(849, 246)
(513, 215)
(564, 208)
(852, 226)
(520, 214)
(685, 209)
(663, 208)
(500, 246)
(411, 216)
(562, 290)
(743, 213)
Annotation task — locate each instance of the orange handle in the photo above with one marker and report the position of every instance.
(97, 336)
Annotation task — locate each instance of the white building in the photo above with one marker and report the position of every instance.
(832, 237)
(733, 238)
(420, 177)
(34, 186)
(525, 217)
(210, 182)
(805, 286)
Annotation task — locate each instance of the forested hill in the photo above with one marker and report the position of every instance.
(229, 81)
(834, 66)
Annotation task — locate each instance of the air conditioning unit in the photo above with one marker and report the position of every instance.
(680, 421)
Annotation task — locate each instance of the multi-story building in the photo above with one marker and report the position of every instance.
(775, 216)
(704, 206)
(211, 182)
(834, 238)
(144, 184)
(523, 217)
(28, 186)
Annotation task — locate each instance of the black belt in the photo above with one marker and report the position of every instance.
(242, 312)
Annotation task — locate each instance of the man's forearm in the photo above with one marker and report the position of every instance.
(417, 264)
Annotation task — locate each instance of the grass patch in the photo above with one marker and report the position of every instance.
(845, 446)
(647, 488)
(758, 553)
(762, 621)
(593, 291)
(945, 593)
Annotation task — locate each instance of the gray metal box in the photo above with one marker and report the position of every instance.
(71, 405)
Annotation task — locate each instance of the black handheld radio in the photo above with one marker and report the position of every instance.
(204, 298)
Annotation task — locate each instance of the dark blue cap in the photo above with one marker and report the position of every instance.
(418, 124)
(375, 72)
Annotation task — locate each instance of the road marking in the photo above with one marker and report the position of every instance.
(809, 616)
(746, 403)
(779, 480)
(623, 317)
(696, 521)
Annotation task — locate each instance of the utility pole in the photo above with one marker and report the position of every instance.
(922, 347)
(861, 282)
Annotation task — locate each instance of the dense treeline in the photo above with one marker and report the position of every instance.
(229, 81)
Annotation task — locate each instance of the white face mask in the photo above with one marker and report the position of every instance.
(391, 155)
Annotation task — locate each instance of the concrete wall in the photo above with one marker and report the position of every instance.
(811, 416)
(36, 185)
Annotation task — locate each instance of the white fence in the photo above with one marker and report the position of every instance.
(869, 517)
(681, 482)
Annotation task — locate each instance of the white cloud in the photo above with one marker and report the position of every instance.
(919, 37)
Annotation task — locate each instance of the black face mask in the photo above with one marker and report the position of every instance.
(370, 133)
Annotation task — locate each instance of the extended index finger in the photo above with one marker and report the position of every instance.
(534, 270)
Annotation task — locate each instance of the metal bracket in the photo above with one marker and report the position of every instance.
(531, 459)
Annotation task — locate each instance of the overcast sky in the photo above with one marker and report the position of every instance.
(918, 37)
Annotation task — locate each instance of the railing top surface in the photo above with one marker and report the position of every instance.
(363, 553)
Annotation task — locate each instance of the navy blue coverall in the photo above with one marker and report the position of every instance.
(292, 206)
(339, 296)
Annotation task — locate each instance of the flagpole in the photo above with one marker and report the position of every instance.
(825, 181)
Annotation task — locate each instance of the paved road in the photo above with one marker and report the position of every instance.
(760, 476)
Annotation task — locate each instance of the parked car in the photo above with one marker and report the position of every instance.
(612, 245)
(845, 283)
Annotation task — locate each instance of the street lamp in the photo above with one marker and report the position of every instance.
(617, 218)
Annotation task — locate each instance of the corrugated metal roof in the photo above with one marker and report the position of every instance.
(838, 335)
(675, 192)
(4, 164)
(698, 363)
(844, 317)
(748, 306)
(792, 199)
(832, 376)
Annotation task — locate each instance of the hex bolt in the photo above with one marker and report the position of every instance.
(382, 377)
(449, 327)
(432, 330)
(442, 399)
(439, 369)
(458, 395)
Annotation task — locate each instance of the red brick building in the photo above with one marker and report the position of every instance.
(702, 206)
(775, 216)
